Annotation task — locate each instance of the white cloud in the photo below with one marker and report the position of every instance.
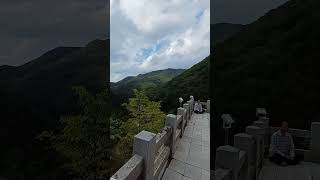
(148, 35)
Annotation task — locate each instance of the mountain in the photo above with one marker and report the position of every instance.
(33, 98)
(124, 88)
(223, 31)
(194, 81)
(273, 63)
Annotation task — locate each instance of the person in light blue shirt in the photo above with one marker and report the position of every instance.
(198, 107)
(282, 147)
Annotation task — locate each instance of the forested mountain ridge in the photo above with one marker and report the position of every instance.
(123, 89)
(223, 31)
(33, 98)
(194, 81)
(273, 63)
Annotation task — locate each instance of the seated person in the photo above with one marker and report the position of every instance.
(198, 107)
(282, 147)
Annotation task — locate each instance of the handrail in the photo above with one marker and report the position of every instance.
(294, 132)
(131, 170)
(153, 151)
(253, 143)
(163, 136)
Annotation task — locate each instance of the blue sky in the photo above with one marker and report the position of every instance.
(149, 35)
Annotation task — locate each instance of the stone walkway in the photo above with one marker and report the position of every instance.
(191, 160)
(303, 171)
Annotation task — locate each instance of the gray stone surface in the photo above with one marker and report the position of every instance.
(222, 174)
(171, 175)
(302, 171)
(245, 142)
(192, 156)
(145, 145)
(171, 121)
(187, 107)
(131, 170)
(315, 142)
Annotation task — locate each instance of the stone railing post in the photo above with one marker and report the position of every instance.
(145, 145)
(208, 106)
(190, 107)
(171, 120)
(187, 107)
(268, 135)
(246, 142)
(222, 174)
(180, 111)
(258, 134)
(264, 126)
(228, 157)
(314, 155)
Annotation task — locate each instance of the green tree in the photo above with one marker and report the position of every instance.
(143, 115)
(84, 139)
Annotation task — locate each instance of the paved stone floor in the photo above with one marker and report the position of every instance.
(302, 171)
(191, 160)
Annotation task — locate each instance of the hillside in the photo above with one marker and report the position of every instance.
(194, 81)
(35, 95)
(273, 63)
(123, 89)
(223, 31)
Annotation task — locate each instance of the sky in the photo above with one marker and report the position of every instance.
(29, 28)
(149, 35)
(241, 11)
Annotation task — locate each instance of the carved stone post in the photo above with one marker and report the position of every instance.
(190, 107)
(187, 107)
(246, 142)
(222, 174)
(264, 126)
(314, 155)
(268, 135)
(258, 135)
(180, 111)
(171, 120)
(145, 145)
(228, 157)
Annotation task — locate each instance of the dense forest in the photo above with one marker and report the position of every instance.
(273, 63)
(35, 96)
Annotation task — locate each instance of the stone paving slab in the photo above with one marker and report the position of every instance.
(171, 175)
(302, 171)
(192, 157)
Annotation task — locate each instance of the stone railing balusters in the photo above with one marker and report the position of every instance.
(180, 111)
(258, 134)
(232, 158)
(171, 120)
(187, 106)
(208, 106)
(145, 145)
(151, 152)
(246, 143)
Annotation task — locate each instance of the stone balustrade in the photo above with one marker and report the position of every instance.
(152, 152)
(244, 160)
